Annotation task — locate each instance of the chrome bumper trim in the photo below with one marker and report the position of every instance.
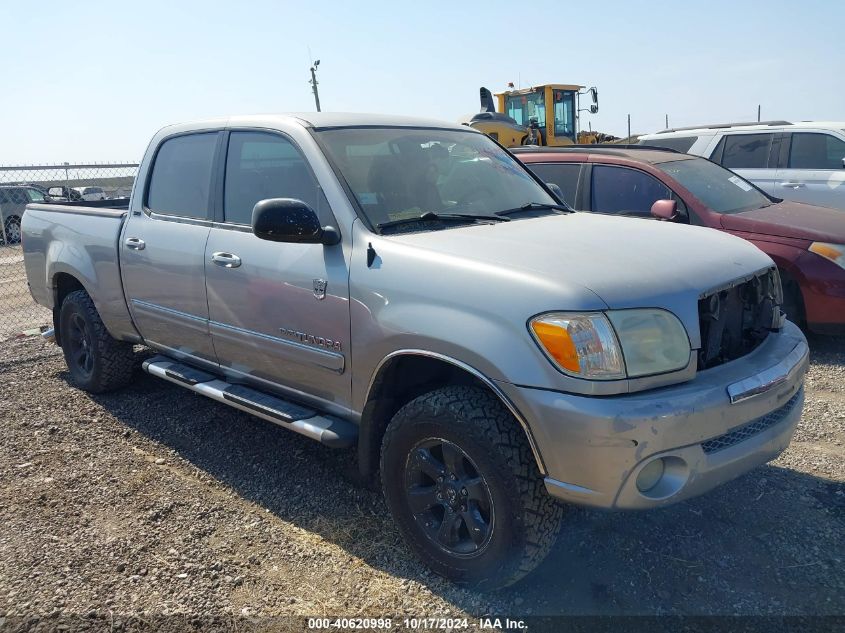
(772, 377)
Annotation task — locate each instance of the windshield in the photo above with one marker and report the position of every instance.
(718, 188)
(402, 173)
(521, 108)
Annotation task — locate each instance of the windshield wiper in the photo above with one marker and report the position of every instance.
(448, 217)
(534, 206)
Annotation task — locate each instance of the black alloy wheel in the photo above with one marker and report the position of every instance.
(80, 345)
(449, 498)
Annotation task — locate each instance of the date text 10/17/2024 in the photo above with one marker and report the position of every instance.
(445, 624)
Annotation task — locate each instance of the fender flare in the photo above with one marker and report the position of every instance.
(481, 377)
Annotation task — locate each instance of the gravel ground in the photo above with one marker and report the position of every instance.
(156, 501)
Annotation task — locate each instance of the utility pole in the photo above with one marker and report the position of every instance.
(758, 113)
(629, 129)
(313, 83)
(667, 122)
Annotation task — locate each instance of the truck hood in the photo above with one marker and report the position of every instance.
(791, 219)
(627, 262)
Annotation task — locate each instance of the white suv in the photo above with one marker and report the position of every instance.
(803, 161)
(91, 193)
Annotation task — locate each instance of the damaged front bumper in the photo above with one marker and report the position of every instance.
(664, 445)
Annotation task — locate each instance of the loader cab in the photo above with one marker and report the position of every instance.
(553, 105)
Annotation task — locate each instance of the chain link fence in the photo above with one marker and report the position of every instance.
(22, 185)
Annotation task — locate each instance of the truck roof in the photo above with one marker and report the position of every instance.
(320, 120)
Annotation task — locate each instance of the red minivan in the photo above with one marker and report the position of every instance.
(806, 242)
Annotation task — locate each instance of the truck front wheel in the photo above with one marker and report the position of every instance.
(463, 487)
(96, 361)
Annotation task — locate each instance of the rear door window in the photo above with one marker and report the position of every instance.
(17, 196)
(743, 151)
(677, 143)
(625, 191)
(261, 166)
(564, 175)
(181, 178)
(815, 150)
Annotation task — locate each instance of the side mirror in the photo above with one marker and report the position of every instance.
(665, 210)
(555, 190)
(289, 220)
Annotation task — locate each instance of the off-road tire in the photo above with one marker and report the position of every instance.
(526, 519)
(111, 361)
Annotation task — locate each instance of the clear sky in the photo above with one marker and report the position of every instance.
(92, 80)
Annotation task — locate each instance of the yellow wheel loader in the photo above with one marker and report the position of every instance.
(540, 115)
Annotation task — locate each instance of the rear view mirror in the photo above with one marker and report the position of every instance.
(290, 220)
(555, 190)
(665, 210)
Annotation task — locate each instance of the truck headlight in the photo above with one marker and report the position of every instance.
(833, 252)
(614, 344)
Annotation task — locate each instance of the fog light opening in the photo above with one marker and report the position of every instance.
(662, 477)
(650, 475)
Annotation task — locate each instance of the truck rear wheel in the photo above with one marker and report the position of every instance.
(96, 361)
(462, 485)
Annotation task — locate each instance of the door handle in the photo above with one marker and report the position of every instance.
(136, 244)
(792, 185)
(226, 260)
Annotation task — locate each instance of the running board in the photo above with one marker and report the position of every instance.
(325, 429)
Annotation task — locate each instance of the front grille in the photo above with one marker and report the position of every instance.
(735, 319)
(746, 431)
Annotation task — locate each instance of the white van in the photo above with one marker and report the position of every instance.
(803, 161)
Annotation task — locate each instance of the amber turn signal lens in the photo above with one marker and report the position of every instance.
(558, 344)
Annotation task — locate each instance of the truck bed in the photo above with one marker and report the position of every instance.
(82, 240)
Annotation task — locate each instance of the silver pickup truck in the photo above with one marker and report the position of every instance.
(408, 288)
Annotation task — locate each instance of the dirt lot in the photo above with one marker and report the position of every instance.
(157, 501)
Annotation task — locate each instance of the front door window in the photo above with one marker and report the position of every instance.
(812, 150)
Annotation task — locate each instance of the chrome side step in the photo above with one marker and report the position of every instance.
(325, 429)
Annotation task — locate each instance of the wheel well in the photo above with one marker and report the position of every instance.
(64, 284)
(400, 380)
(791, 287)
